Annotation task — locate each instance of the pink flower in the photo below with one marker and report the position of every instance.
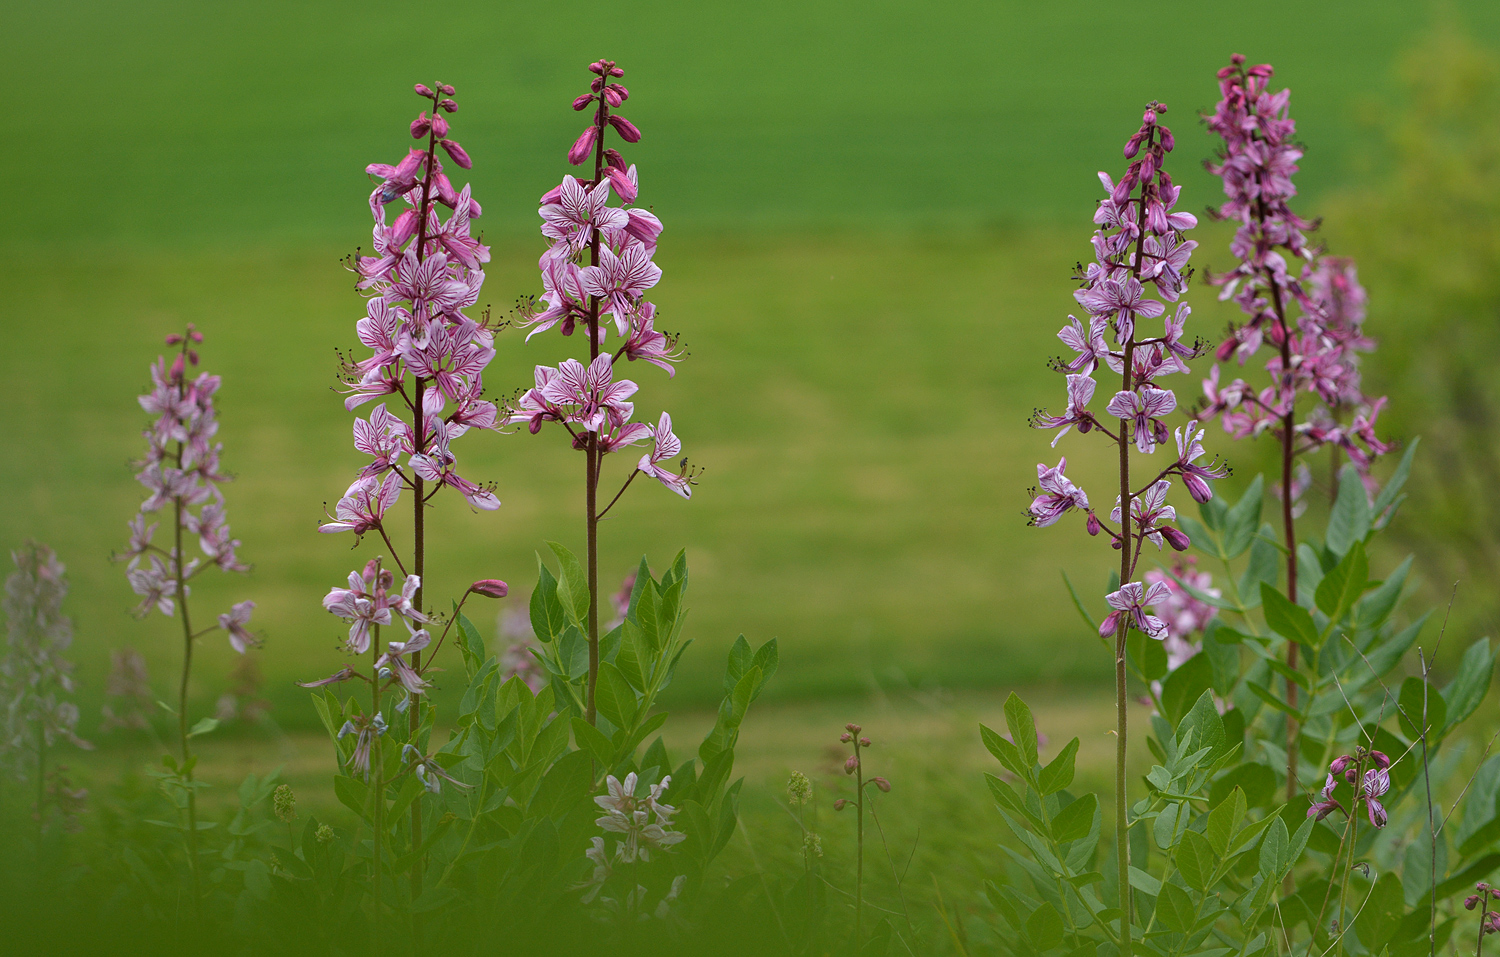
(436, 465)
(1089, 344)
(1141, 409)
(1131, 602)
(395, 659)
(1058, 496)
(622, 280)
(364, 504)
(593, 392)
(1196, 477)
(1080, 392)
(646, 343)
(571, 220)
(667, 446)
(234, 622)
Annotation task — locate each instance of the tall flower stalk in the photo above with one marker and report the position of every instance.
(182, 472)
(618, 243)
(35, 677)
(1318, 356)
(1139, 241)
(427, 359)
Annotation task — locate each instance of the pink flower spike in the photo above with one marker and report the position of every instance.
(234, 621)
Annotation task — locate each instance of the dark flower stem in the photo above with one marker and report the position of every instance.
(377, 767)
(859, 867)
(186, 770)
(591, 448)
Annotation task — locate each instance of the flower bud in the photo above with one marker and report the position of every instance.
(613, 158)
(1167, 140)
(615, 71)
(853, 727)
(284, 802)
(882, 783)
(1470, 902)
(420, 126)
(324, 834)
(457, 154)
(387, 579)
(597, 67)
(1176, 538)
(552, 195)
(446, 194)
(490, 588)
(1132, 146)
(851, 765)
(422, 90)
(1238, 59)
(799, 788)
(864, 742)
(177, 367)
(610, 96)
(846, 737)
(840, 804)
(447, 89)
(448, 106)
(439, 125)
(174, 339)
(626, 129)
(1159, 431)
(194, 334)
(582, 146)
(596, 85)
(1093, 524)
(192, 355)
(1380, 760)
(582, 103)
(620, 91)
(623, 187)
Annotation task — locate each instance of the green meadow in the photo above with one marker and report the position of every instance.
(872, 210)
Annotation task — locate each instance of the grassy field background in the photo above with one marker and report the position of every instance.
(872, 215)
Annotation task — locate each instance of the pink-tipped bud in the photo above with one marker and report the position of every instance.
(490, 588)
(1111, 622)
(1132, 146)
(552, 195)
(422, 90)
(193, 333)
(623, 187)
(851, 764)
(192, 355)
(1093, 524)
(1159, 431)
(864, 742)
(457, 154)
(615, 71)
(439, 126)
(582, 103)
(177, 367)
(387, 579)
(611, 97)
(582, 146)
(1380, 760)
(1167, 140)
(620, 91)
(403, 228)
(448, 106)
(475, 210)
(1238, 59)
(882, 783)
(1176, 538)
(447, 89)
(840, 804)
(174, 340)
(420, 126)
(613, 158)
(1339, 764)
(846, 737)
(597, 67)
(596, 85)
(1471, 902)
(372, 569)
(626, 129)
(446, 194)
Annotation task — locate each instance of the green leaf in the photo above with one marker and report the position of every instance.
(1174, 909)
(1144, 882)
(471, 643)
(1273, 848)
(767, 659)
(1044, 927)
(1467, 689)
(1197, 860)
(1076, 820)
(1264, 566)
(1005, 752)
(1417, 867)
(204, 726)
(1373, 609)
(355, 795)
(1223, 657)
(1349, 522)
(548, 619)
(1022, 728)
(572, 585)
(1006, 797)
(614, 697)
(1382, 910)
(1387, 500)
(1170, 825)
(1290, 621)
(1185, 686)
(592, 740)
(1223, 821)
(1148, 655)
(1341, 587)
(1241, 521)
(740, 660)
(1409, 714)
(1078, 604)
(1059, 773)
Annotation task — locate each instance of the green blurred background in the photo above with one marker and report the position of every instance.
(872, 212)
